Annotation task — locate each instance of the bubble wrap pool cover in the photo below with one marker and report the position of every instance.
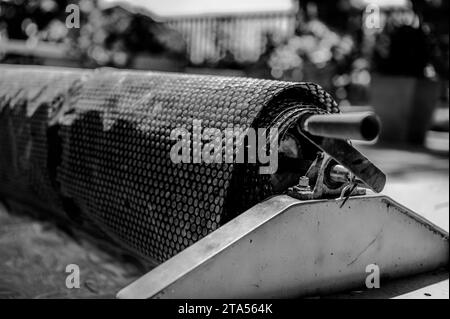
(93, 146)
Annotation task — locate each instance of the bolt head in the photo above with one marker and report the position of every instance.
(303, 181)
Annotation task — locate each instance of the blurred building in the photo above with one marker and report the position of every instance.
(224, 32)
(243, 36)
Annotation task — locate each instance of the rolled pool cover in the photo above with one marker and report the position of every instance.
(93, 147)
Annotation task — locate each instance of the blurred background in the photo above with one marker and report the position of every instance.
(388, 56)
(366, 53)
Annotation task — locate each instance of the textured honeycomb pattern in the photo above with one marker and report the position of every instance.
(95, 145)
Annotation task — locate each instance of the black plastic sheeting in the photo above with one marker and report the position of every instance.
(93, 147)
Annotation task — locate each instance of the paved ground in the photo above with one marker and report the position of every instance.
(419, 180)
(33, 255)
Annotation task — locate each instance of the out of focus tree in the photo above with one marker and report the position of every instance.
(316, 54)
(402, 48)
(434, 17)
(106, 37)
(22, 19)
(113, 36)
(413, 41)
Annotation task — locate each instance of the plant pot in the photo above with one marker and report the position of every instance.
(405, 106)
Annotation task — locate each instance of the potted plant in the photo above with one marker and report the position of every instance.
(404, 88)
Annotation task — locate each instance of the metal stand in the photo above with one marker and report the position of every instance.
(285, 247)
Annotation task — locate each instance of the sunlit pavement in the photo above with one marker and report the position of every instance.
(417, 178)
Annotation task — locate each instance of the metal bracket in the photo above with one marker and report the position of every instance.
(349, 157)
(319, 173)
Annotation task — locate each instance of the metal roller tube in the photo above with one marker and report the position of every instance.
(364, 126)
